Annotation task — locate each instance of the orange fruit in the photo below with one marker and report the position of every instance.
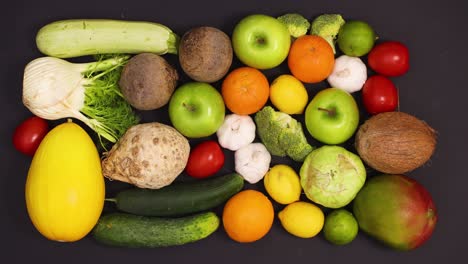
(248, 216)
(311, 59)
(245, 90)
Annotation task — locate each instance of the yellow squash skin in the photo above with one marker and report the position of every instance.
(65, 187)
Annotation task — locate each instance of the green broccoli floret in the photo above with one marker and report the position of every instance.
(299, 153)
(281, 134)
(296, 24)
(327, 26)
(289, 142)
(268, 130)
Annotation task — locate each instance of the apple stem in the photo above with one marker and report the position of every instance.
(331, 112)
(261, 41)
(189, 107)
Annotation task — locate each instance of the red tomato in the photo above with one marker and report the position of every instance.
(389, 58)
(29, 134)
(206, 159)
(379, 94)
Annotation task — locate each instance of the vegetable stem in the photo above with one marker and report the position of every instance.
(104, 65)
(173, 43)
(102, 93)
(110, 200)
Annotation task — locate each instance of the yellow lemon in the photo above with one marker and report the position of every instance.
(302, 219)
(283, 184)
(288, 94)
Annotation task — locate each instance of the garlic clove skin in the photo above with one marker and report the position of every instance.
(252, 162)
(349, 74)
(236, 132)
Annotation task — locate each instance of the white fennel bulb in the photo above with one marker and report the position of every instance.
(54, 88)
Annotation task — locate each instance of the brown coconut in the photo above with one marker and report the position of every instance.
(395, 142)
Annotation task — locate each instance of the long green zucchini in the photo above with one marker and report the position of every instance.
(179, 198)
(80, 37)
(127, 230)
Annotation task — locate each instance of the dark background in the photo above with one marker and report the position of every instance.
(434, 90)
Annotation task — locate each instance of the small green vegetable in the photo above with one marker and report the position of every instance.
(54, 88)
(281, 134)
(134, 231)
(296, 24)
(327, 26)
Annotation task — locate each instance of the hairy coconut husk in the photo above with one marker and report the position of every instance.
(395, 142)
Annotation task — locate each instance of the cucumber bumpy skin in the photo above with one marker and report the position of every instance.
(133, 231)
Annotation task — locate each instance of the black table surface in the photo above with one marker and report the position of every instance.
(434, 90)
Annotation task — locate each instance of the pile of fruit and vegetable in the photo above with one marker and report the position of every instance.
(316, 163)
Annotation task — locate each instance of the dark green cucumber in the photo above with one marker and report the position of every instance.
(180, 199)
(127, 230)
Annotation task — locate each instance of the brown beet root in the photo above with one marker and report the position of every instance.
(395, 142)
(205, 54)
(148, 81)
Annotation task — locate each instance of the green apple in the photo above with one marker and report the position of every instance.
(332, 116)
(261, 41)
(332, 176)
(196, 109)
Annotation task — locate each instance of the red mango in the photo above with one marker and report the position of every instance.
(397, 210)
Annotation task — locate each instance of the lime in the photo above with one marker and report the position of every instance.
(356, 38)
(282, 184)
(302, 219)
(340, 227)
(288, 94)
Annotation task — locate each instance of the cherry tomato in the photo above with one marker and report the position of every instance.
(206, 159)
(29, 134)
(389, 58)
(379, 94)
